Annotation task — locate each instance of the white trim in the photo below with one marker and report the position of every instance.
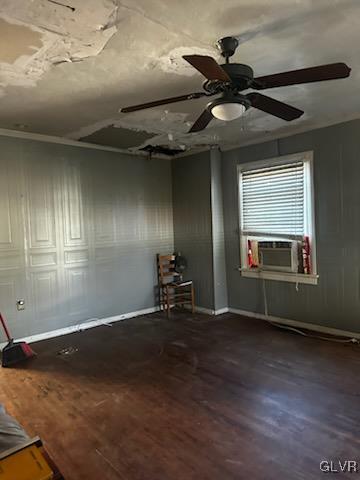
(208, 311)
(221, 311)
(192, 150)
(92, 323)
(296, 323)
(310, 212)
(276, 161)
(245, 313)
(280, 276)
(72, 143)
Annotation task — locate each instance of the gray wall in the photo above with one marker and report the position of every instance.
(199, 225)
(193, 223)
(79, 230)
(335, 301)
(218, 236)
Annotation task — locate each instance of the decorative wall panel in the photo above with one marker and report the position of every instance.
(9, 208)
(40, 205)
(74, 231)
(77, 283)
(45, 294)
(61, 209)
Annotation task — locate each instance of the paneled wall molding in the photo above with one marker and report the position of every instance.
(79, 233)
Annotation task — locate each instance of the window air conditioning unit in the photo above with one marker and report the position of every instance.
(278, 255)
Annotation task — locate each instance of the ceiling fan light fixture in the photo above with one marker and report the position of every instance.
(228, 107)
(228, 111)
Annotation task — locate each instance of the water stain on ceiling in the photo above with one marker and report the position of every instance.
(17, 40)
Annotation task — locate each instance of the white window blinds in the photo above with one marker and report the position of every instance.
(273, 200)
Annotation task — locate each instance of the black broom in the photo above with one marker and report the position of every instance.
(14, 352)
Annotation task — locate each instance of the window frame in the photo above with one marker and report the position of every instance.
(309, 219)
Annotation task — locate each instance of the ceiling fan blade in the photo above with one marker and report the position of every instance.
(202, 122)
(274, 107)
(208, 67)
(305, 75)
(164, 101)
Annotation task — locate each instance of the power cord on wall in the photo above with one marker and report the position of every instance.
(298, 330)
(329, 339)
(265, 297)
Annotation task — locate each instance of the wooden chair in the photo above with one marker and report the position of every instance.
(173, 290)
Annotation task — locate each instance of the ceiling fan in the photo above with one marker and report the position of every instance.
(230, 79)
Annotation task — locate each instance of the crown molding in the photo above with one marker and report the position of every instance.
(39, 137)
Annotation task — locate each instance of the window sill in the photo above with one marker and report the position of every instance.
(281, 276)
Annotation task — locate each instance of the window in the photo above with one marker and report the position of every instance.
(277, 234)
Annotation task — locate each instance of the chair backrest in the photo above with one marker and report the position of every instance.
(166, 269)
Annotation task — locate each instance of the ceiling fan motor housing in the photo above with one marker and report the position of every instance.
(241, 75)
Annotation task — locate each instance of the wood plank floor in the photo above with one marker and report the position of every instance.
(190, 398)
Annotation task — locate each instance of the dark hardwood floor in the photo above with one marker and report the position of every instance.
(190, 398)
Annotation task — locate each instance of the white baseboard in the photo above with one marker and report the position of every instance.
(91, 323)
(209, 311)
(296, 323)
(221, 311)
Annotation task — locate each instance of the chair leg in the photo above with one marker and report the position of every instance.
(192, 299)
(161, 299)
(167, 302)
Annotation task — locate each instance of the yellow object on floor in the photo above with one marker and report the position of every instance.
(26, 464)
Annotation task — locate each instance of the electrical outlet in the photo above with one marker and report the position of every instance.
(20, 304)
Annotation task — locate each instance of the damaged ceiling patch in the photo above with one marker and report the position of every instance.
(136, 51)
(117, 137)
(137, 130)
(162, 150)
(156, 122)
(16, 41)
(174, 63)
(37, 39)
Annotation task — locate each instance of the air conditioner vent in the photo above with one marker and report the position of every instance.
(278, 255)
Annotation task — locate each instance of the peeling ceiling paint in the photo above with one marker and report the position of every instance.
(172, 62)
(68, 71)
(60, 35)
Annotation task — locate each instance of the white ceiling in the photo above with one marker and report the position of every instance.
(67, 72)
